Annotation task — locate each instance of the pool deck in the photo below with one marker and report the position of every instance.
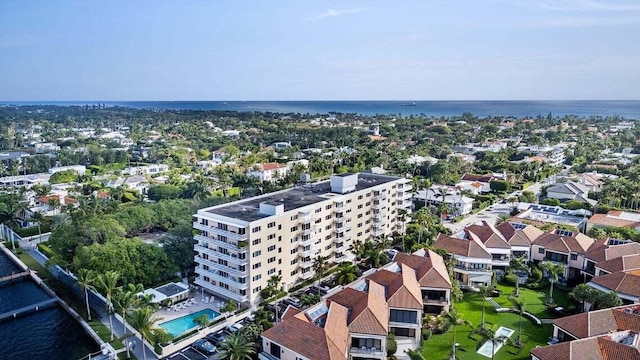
(167, 314)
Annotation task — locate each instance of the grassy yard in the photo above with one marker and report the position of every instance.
(104, 333)
(535, 300)
(470, 308)
(32, 264)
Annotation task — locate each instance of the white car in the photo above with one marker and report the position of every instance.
(234, 328)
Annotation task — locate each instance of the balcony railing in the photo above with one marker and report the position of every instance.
(343, 238)
(380, 205)
(306, 263)
(404, 195)
(212, 252)
(309, 231)
(472, 269)
(342, 228)
(366, 351)
(305, 253)
(215, 230)
(307, 275)
(306, 219)
(221, 267)
(226, 245)
(380, 196)
(340, 247)
(309, 241)
(435, 301)
(221, 291)
(231, 281)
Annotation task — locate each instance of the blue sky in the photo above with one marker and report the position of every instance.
(319, 50)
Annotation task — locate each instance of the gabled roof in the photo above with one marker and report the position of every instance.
(625, 282)
(601, 322)
(602, 251)
(488, 235)
(469, 248)
(566, 244)
(310, 340)
(368, 312)
(430, 269)
(569, 188)
(624, 263)
(402, 289)
(616, 219)
(595, 348)
(519, 237)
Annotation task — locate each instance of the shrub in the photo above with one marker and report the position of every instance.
(536, 273)
(534, 285)
(509, 279)
(392, 345)
(426, 334)
(45, 249)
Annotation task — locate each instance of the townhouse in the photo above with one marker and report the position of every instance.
(354, 322)
(565, 247)
(472, 263)
(241, 244)
(602, 334)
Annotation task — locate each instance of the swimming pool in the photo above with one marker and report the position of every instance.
(488, 348)
(181, 325)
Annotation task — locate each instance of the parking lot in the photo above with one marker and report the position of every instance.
(190, 354)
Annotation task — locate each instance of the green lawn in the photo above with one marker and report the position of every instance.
(32, 264)
(535, 300)
(104, 333)
(470, 308)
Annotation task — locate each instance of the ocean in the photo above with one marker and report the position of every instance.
(583, 108)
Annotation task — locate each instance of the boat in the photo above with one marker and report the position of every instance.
(413, 103)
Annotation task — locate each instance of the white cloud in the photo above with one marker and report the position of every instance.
(333, 13)
(586, 5)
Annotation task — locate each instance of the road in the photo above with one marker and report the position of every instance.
(491, 213)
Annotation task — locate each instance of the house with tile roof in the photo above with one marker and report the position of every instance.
(354, 321)
(615, 218)
(608, 334)
(268, 171)
(495, 243)
(626, 284)
(609, 255)
(471, 181)
(433, 278)
(472, 261)
(519, 237)
(562, 246)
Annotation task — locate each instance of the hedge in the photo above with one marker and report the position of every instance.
(45, 249)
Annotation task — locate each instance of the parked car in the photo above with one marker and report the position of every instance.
(216, 338)
(204, 346)
(293, 301)
(234, 328)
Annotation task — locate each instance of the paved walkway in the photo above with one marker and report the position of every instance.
(102, 313)
(493, 303)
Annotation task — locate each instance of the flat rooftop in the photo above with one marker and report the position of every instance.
(171, 289)
(298, 197)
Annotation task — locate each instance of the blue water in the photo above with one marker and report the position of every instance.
(20, 294)
(7, 267)
(181, 325)
(584, 108)
(46, 334)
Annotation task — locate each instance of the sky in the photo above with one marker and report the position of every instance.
(320, 50)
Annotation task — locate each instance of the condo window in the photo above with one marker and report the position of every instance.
(541, 251)
(257, 253)
(328, 207)
(271, 224)
(256, 266)
(256, 241)
(255, 229)
(574, 256)
(271, 248)
(294, 229)
(257, 289)
(294, 217)
(271, 259)
(257, 277)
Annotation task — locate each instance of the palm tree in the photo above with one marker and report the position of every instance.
(485, 292)
(346, 273)
(39, 219)
(236, 347)
(375, 258)
(502, 218)
(518, 304)
(357, 248)
(554, 270)
(402, 217)
(455, 319)
(142, 320)
(518, 265)
(274, 282)
(124, 301)
(108, 283)
(584, 294)
(414, 354)
(320, 267)
(86, 280)
(60, 220)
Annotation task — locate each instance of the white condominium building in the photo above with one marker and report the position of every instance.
(242, 244)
